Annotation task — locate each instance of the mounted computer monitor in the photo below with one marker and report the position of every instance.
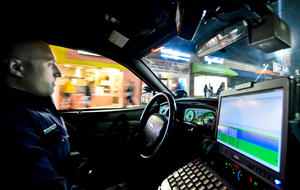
(252, 128)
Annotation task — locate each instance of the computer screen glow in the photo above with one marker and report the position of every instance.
(252, 125)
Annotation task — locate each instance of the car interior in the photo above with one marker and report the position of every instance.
(245, 138)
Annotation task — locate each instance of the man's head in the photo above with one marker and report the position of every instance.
(30, 66)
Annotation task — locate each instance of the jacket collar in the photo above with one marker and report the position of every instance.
(15, 96)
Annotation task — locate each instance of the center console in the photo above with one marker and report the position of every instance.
(254, 145)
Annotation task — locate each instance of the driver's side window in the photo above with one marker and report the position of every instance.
(92, 81)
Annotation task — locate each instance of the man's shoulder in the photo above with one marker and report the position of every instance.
(16, 117)
(13, 114)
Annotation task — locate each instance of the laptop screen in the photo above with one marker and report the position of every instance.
(251, 124)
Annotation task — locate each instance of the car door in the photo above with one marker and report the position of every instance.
(95, 93)
(90, 127)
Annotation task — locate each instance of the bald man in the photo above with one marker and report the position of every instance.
(31, 67)
(34, 141)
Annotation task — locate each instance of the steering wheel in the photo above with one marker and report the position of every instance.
(154, 128)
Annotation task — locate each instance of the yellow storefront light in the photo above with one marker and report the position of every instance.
(61, 57)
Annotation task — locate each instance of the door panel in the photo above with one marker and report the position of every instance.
(91, 126)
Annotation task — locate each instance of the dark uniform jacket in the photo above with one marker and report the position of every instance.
(34, 144)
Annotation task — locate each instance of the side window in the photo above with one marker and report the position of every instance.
(92, 81)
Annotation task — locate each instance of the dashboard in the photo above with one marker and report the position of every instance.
(202, 117)
(194, 115)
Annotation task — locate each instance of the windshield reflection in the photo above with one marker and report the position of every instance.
(230, 66)
(240, 63)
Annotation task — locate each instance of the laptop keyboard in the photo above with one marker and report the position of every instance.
(193, 176)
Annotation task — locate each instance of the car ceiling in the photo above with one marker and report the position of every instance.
(147, 24)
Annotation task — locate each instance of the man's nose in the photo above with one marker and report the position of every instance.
(56, 71)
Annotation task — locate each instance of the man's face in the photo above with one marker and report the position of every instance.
(39, 69)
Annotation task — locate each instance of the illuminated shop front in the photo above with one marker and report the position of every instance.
(209, 78)
(92, 81)
(171, 67)
(174, 75)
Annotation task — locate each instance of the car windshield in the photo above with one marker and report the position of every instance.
(180, 65)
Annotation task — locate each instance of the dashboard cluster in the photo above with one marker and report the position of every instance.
(194, 117)
(199, 117)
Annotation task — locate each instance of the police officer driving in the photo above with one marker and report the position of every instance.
(35, 148)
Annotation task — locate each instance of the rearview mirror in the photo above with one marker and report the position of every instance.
(223, 38)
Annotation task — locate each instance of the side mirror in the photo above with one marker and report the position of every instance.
(181, 94)
(146, 97)
(147, 89)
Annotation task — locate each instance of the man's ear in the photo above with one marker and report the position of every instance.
(14, 66)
